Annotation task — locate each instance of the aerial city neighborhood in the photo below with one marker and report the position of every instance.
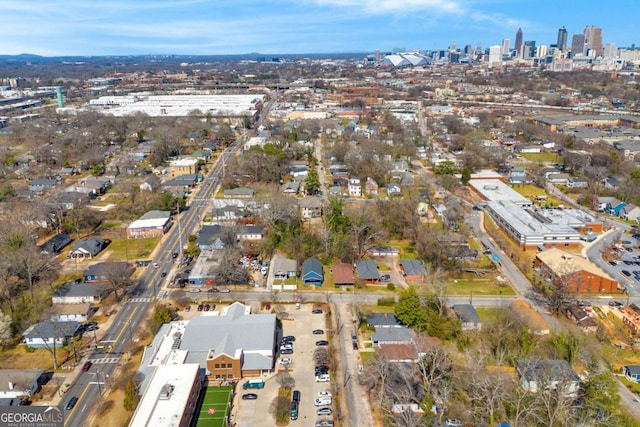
(435, 238)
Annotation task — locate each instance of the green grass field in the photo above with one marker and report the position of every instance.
(216, 400)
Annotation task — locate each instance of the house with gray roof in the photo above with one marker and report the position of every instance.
(55, 244)
(632, 372)
(40, 185)
(399, 335)
(538, 375)
(79, 293)
(388, 320)
(19, 384)
(367, 271)
(239, 193)
(210, 237)
(48, 334)
(468, 316)
(413, 270)
(233, 345)
(87, 249)
(283, 268)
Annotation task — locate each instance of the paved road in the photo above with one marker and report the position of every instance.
(89, 386)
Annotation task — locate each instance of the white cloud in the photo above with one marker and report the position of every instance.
(381, 7)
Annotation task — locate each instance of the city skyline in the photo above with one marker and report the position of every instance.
(205, 27)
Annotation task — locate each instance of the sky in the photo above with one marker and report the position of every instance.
(223, 27)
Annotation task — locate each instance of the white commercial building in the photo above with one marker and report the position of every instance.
(170, 397)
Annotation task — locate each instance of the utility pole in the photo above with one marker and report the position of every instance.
(179, 229)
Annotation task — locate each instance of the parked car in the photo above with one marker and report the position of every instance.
(316, 311)
(286, 351)
(296, 396)
(87, 365)
(285, 361)
(323, 411)
(163, 274)
(207, 307)
(293, 414)
(249, 396)
(385, 277)
(174, 255)
(225, 290)
(71, 403)
(200, 307)
(187, 308)
(324, 394)
(452, 423)
(626, 273)
(322, 343)
(318, 331)
(289, 338)
(324, 423)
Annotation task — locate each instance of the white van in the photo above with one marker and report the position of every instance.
(323, 401)
(323, 378)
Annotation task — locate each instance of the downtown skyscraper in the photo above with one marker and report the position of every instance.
(562, 39)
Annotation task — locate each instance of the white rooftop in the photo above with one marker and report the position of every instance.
(167, 396)
(497, 191)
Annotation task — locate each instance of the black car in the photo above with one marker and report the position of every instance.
(163, 274)
(626, 273)
(72, 402)
(289, 338)
(318, 332)
(296, 396)
(385, 278)
(200, 307)
(174, 255)
(322, 342)
(249, 396)
(286, 351)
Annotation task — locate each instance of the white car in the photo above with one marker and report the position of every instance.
(324, 394)
(155, 265)
(285, 361)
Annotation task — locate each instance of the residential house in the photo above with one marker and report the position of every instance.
(335, 190)
(88, 248)
(103, 271)
(355, 187)
(48, 333)
(574, 182)
(239, 193)
(55, 244)
(228, 214)
(40, 185)
(371, 187)
(399, 335)
(181, 185)
(400, 166)
(630, 212)
(413, 271)
(210, 237)
(468, 316)
(393, 189)
(558, 178)
(95, 186)
(312, 272)
(298, 171)
(284, 268)
(603, 204)
(68, 201)
(72, 312)
(79, 293)
(572, 271)
(611, 183)
(343, 274)
(631, 372)
(290, 188)
(383, 251)
(151, 224)
(233, 345)
(250, 232)
(517, 175)
(408, 352)
(538, 375)
(388, 320)
(531, 148)
(629, 149)
(311, 207)
(582, 319)
(19, 384)
(367, 271)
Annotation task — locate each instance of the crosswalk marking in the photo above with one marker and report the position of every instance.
(140, 299)
(105, 360)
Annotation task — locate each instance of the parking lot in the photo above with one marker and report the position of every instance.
(300, 323)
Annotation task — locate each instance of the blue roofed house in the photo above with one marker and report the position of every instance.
(312, 272)
(632, 372)
(367, 271)
(616, 207)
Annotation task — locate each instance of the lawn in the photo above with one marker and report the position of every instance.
(540, 157)
(530, 191)
(489, 313)
(480, 286)
(213, 407)
(131, 249)
(406, 249)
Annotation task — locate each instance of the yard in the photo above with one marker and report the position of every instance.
(132, 249)
(548, 157)
(478, 286)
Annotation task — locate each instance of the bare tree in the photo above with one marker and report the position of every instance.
(363, 230)
(118, 275)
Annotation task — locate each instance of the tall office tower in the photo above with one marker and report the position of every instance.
(452, 48)
(468, 49)
(593, 40)
(529, 49)
(495, 56)
(505, 47)
(519, 42)
(542, 51)
(577, 45)
(610, 50)
(562, 39)
(376, 53)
